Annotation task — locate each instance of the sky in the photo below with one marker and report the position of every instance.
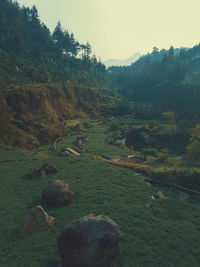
(120, 28)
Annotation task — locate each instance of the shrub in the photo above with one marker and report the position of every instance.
(193, 153)
(115, 126)
(150, 151)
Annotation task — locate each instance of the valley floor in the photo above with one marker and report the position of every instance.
(163, 232)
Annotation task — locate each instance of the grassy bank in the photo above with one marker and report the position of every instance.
(161, 232)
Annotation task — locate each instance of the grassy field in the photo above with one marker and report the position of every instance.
(156, 233)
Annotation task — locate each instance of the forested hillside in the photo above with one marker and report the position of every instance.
(44, 78)
(161, 81)
(163, 90)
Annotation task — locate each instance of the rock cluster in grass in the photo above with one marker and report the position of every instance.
(35, 220)
(58, 193)
(91, 241)
(46, 169)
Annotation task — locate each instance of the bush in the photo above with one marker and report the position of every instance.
(150, 151)
(115, 126)
(193, 153)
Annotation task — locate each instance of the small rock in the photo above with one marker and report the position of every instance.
(65, 153)
(36, 173)
(58, 193)
(49, 169)
(159, 194)
(91, 241)
(81, 141)
(64, 149)
(35, 220)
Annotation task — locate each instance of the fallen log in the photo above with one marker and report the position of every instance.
(54, 143)
(72, 151)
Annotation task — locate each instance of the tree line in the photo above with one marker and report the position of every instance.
(162, 80)
(30, 53)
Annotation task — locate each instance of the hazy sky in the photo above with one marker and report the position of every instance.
(119, 28)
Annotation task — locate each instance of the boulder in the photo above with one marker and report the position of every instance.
(36, 173)
(49, 169)
(58, 193)
(40, 172)
(35, 220)
(91, 241)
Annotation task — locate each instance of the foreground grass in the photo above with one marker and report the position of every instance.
(162, 232)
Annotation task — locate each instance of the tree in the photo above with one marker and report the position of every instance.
(86, 50)
(195, 133)
(155, 50)
(170, 116)
(60, 39)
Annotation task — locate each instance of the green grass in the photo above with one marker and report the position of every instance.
(156, 233)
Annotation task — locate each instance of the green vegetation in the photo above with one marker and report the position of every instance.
(160, 150)
(32, 54)
(45, 79)
(161, 232)
(53, 88)
(165, 80)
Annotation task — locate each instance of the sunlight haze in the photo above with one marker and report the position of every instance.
(118, 29)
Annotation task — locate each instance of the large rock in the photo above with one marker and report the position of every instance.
(35, 220)
(92, 241)
(58, 193)
(49, 169)
(37, 173)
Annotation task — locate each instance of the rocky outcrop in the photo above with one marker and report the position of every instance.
(35, 220)
(92, 241)
(58, 193)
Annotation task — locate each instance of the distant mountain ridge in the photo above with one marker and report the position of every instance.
(123, 62)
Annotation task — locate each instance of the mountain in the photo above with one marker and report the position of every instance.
(125, 62)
